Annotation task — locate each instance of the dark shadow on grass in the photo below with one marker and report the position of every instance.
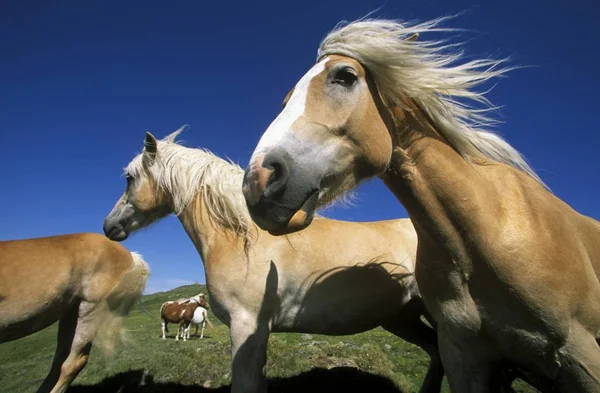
(317, 380)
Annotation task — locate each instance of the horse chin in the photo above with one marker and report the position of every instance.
(117, 234)
(301, 219)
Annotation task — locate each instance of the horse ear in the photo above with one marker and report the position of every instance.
(171, 137)
(150, 146)
(413, 37)
(287, 97)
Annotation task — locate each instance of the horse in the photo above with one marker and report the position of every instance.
(85, 281)
(316, 282)
(199, 298)
(507, 269)
(180, 312)
(200, 318)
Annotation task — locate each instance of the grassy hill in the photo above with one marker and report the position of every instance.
(372, 361)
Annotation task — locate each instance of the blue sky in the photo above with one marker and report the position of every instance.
(80, 82)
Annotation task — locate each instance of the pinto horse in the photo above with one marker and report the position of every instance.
(507, 269)
(85, 281)
(329, 279)
(181, 312)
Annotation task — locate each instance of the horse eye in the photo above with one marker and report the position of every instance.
(128, 178)
(344, 77)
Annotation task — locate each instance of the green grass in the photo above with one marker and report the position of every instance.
(372, 361)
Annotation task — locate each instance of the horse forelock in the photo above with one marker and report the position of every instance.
(185, 172)
(432, 75)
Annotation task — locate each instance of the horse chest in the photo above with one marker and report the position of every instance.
(445, 291)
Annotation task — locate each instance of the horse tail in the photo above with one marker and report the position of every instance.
(121, 300)
(206, 318)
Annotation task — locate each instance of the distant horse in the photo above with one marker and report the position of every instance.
(199, 298)
(180, 312)
(331, 279)
(200, 318)
(85, 281)
(507, 269)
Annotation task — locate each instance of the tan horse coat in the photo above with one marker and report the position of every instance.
(330, 279)
(85, 281)
(508, 270)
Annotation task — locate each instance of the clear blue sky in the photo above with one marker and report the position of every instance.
(80, 82)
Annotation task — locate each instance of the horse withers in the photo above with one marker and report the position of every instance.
(181, 312)
(85, 281)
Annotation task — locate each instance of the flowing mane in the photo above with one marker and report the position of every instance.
(428, 73)
(184, 172)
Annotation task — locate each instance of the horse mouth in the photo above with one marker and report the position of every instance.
(301, 219)
(116, 233)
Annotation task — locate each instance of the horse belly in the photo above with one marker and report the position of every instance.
(20, 320)
(339, 315)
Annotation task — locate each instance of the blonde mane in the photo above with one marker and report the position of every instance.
(184, 172)
(428, 73)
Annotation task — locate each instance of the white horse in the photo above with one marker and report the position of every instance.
(330, 279)
(200, 318)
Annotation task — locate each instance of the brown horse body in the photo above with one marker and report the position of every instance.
(85, 281)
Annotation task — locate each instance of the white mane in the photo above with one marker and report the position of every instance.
(184, 172)
(426, 71)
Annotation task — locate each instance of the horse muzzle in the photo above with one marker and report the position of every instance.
(281, 197)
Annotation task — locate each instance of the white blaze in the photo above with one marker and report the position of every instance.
(292, 111)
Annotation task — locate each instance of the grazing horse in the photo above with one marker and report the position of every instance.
(330, 279)
(508, 270)
(181, 312)
(200, 318)
(85, 281)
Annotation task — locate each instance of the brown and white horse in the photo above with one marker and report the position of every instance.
(330, 279)
(181, 312)
(85, 281)
(508, 270)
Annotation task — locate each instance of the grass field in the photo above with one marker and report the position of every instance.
(375, 361)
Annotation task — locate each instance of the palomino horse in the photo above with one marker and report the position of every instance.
(200, 318)
(317, 281)
(181, 312)
(508, 270)
(85, 281)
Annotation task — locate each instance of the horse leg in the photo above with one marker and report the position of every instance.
(196, 334)
(66, 332)
(580, 362)
(185, 327)
(468, 369)
(249, 340)
(203, 325)
(163, 327)
(89, 319)
(409, 327)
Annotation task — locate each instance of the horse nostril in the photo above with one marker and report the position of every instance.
(279, 174)
(276, 174)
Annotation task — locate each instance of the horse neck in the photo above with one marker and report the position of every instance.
(208, 237)
(441, 191)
